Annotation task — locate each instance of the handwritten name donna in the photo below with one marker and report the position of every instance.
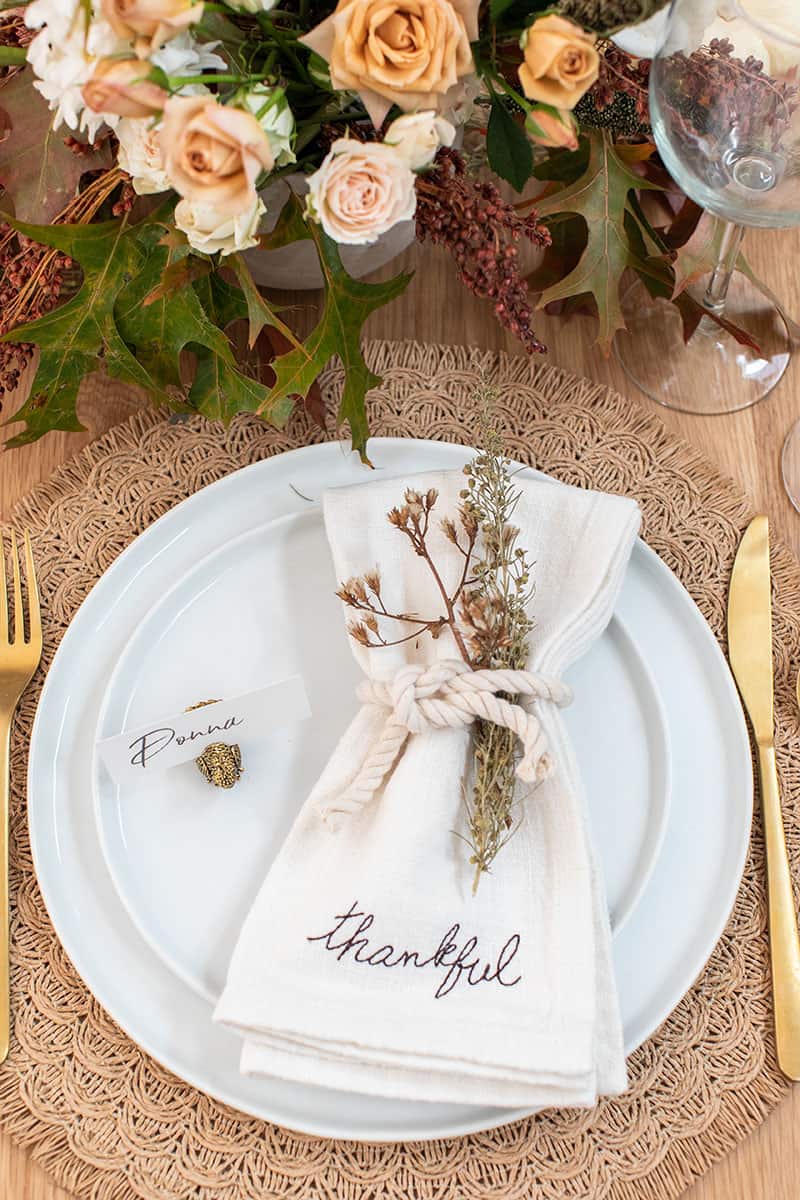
(458, 957)
(150, 744)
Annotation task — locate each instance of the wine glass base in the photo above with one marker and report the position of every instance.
(790, 464)
(712, 373)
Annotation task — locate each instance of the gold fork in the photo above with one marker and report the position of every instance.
(19, 658)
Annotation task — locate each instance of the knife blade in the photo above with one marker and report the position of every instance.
(750, 652)
(750, 628)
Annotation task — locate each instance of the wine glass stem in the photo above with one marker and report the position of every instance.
(717, 290)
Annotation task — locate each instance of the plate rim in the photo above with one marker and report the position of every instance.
(454, 1127)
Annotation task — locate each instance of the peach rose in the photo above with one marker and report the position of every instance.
(213, 154)
(406, 52)
(561, 62)
(150, 23)
(360, 191)
(121, 86)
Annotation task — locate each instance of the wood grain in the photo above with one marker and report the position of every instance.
(745, 446)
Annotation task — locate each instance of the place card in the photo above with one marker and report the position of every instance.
(134, 754)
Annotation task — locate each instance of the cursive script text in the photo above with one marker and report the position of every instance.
(148, 745)
(457, 957)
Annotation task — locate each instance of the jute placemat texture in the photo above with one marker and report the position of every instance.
(111, 1124)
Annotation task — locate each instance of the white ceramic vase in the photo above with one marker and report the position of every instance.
(296, 266)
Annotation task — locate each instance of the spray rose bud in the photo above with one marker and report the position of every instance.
(552, 127)
(121, 86)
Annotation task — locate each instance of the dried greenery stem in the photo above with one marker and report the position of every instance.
(499, 604)
(486, 612)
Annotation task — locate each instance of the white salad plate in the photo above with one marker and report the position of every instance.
(233, 589)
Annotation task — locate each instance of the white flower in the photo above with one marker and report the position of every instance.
(140, 155)
(64, 54)
(417, 137)
(360, 191)
(182, 55)
(208, 231)
(252, 6)
(271, 109)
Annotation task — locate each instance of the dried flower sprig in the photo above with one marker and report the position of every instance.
(364, 592)
(486, 612)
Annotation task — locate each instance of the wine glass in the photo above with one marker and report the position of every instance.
(725, 110)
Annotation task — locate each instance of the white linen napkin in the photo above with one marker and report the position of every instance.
(366, 963)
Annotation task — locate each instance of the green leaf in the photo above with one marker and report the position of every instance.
(38, 171)
(509, 152)
(348, 302)
(220, 391)
(122, 321)
(259, 311)
(290, 227)
(601, 197)
(71, 338)
(222, 303)
(563, 166)
(161, 329)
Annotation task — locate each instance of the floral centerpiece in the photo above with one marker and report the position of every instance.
(142, 136)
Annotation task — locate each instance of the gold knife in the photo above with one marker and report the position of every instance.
(750, 650)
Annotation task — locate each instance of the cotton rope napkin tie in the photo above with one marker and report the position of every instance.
(448, 695)
(365, 963)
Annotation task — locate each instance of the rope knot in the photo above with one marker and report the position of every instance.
(449, 695)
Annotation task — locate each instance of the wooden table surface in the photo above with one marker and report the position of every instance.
(745, 445)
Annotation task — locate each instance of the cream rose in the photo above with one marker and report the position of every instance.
(406, 52)
(360, 191)
(417, 136)
(210, 231)
(213, 154)
(149, 23)
(561, 62)
(121, 86)
(140, 155)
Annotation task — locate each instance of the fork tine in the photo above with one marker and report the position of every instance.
(19, 621)
(34, 612)
(3, 593)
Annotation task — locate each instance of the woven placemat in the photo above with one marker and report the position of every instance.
(108, 1122)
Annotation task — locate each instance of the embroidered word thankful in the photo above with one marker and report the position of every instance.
(458, 958)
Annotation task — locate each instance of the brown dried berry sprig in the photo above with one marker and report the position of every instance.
(481, 230)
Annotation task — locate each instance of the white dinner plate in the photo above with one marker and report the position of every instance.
(145, 962)
(165, 839)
